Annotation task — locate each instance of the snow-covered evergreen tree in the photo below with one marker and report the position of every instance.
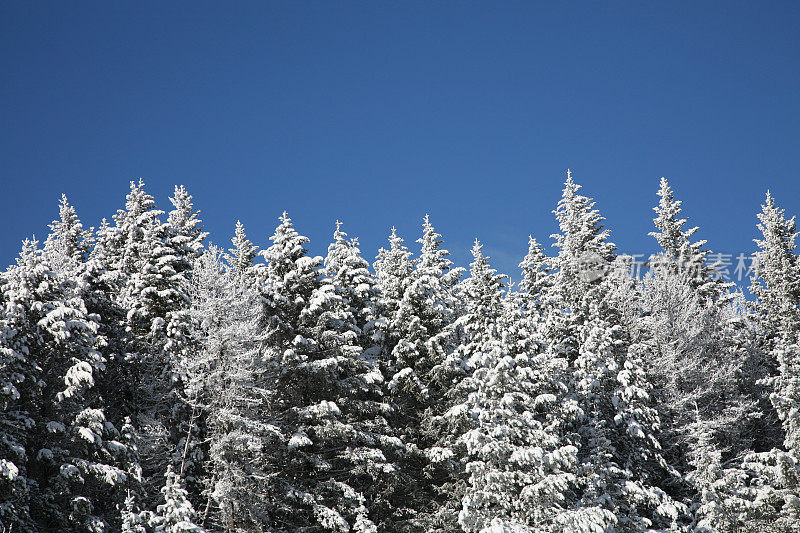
(184, 242)
(393, 274)
(20, 390)
(182, 245)
(679, 255)
(423, 337)
(776, 285)
(536, 277)
(584, 255)
(291, 276)
(618, 447)
(332, 462)
(176, 514)
(520, 469)
(73, 453)
(622, 464)
(243, 253)
(225, 381)
(761, 492)
(68, 244)
(133, 519)
(149, 261)
(338, 406)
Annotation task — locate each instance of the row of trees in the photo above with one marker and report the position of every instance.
(152, 383)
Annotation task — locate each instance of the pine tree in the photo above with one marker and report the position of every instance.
(290, 279)
(584, 255)
(536, 277)
(680, 255)
(185, 234)
(776, 277)
(176, 514)
(182, 245)
(133, 520)
(330, 465)
(622, 464)
(68, 244)
(428, 311)
(422, 338)
(150, 263)
(617, 432)
(291, 276)
(19, 390)
(776, 286)
(519, 467)
(393, 274)
(341, 440)
(169, 275)
(243, 253)
(73, 453)
(762, 491)
(225, 380)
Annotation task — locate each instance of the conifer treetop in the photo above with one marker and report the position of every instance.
(68, 237)
(244, 251)
(185, 222)
(671, 235)
(535, 269)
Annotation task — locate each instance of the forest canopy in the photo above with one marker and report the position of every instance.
(152, 382)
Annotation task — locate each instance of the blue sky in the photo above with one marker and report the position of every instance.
(378, 112)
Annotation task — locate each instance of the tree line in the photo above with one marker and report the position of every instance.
(151, 382)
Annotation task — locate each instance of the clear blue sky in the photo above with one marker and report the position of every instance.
(378, 112)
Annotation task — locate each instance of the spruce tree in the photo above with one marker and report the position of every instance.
(519, 467)
(617, 433)
(424, 329)
(20, 389)
(679, 255)
(73, 453)
(225, 378)
(329, 469)
(536, 277)
(243, 253)
(393, 275)
(762, 491)
(176, 514)
(150, 263)
(68, 243)
(776, 285)
(338, 403)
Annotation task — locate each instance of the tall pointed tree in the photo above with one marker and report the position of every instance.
(775, 281)
(584, 255)
(243, 254)
(619, 450)
(393, 274)
(428, 311)
(151, 264)
(536, 277)
(291, 279)
(422, 335)
(679, 255)
(341, 410)
(73, 453)
(776, 285)
(68, 242)
(225, 377)
(519, 468)
(20, 390)
(176, 514)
